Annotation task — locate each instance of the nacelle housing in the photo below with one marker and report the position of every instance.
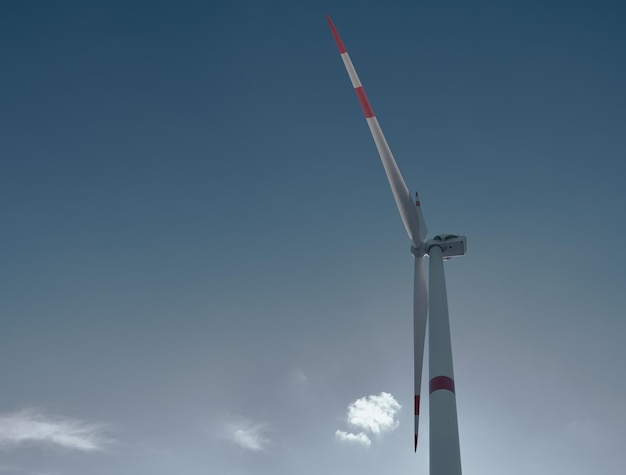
(451, 245)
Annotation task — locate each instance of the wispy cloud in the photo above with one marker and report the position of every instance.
(360, 438)
(298, 376)
(375, 414)
(588, 432)
(13, 470)
(31, 426)
(249, 435)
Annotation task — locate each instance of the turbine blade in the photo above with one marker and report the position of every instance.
(420, 315)
(410, 212)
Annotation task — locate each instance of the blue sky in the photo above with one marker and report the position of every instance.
(203, 268)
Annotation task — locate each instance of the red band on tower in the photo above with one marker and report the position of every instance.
(365, 104)
(417, 405)
(441, 382)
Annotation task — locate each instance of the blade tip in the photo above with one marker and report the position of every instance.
(340, 45)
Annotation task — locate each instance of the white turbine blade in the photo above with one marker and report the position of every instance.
(410, 212)
(420, 313)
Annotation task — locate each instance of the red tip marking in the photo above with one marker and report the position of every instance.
(441, 382)
(417, 405)
(365, 104)
(342, 48)
(417, 203)
(415, 443)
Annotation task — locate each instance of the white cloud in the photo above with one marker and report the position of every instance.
(375, 414)
(249, 435)
(360, 438)
(30, 426)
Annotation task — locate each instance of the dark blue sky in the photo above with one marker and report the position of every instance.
(198, 237)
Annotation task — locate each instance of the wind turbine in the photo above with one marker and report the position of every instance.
(445, 457)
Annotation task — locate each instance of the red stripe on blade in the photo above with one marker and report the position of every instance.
(417, 405)
(365, 104)
(441, 382)
(342, 48)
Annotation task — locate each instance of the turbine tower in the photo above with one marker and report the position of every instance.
(445, 457)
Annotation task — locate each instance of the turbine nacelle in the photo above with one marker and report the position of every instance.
(451, 245)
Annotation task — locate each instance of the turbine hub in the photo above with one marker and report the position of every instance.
(451, 245)
(418, 251)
